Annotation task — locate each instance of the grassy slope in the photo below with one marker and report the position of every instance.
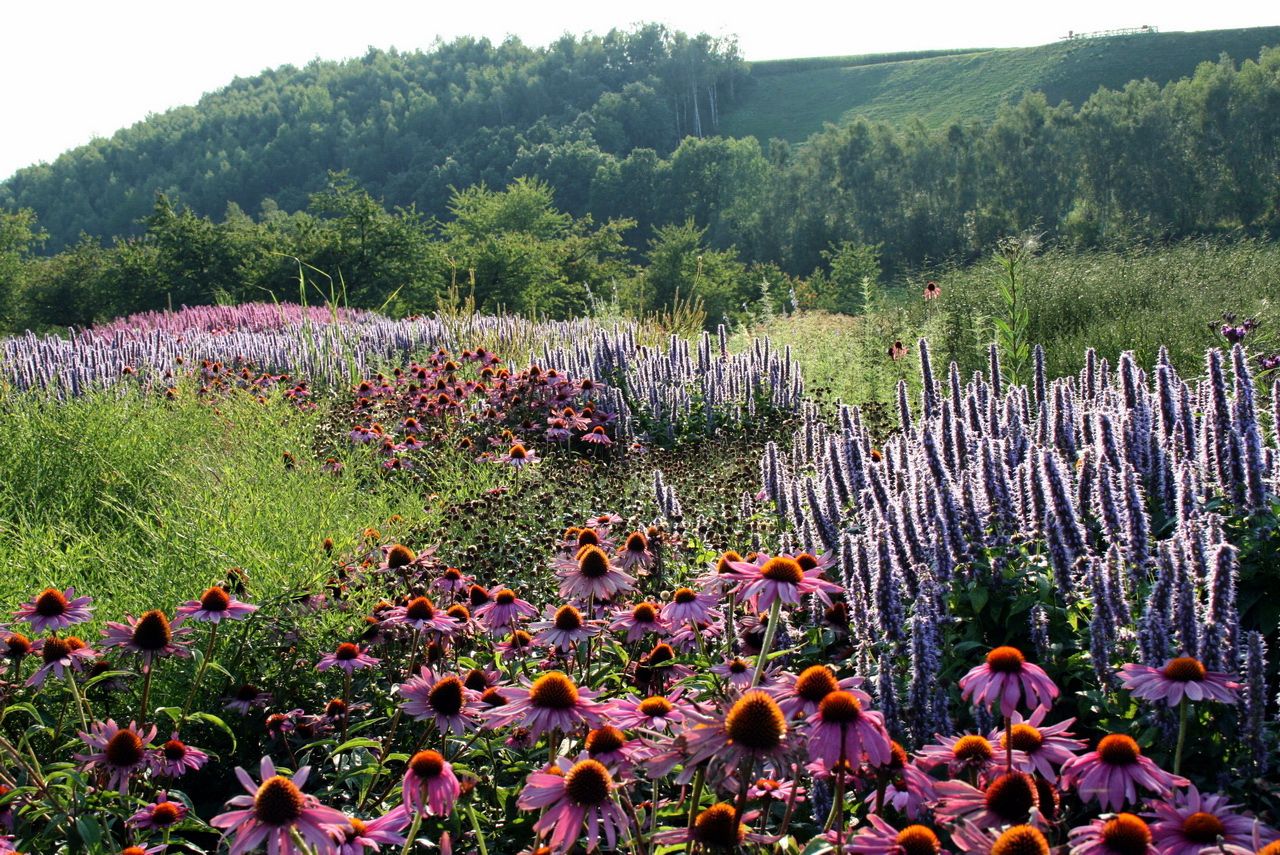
(792, 104)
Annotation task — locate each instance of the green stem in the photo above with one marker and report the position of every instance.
(75, 693)
(475, 826)
(699, 779)
(770, 631)
(413, 833)
(195, 684)
(1182, 736)
(147, 671)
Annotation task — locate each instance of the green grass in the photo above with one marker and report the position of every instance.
(791, 100)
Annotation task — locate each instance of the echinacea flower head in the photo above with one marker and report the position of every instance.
(881, 838)
(117, 751)
(591, 575)
(519, 456)
(429, 786)
(574, 796)
(58, 655)
(639, 620)
(1039, 748)
(246, 697)
(736, 672)
(421, 614)
(800, 694)
(689, 606)
(175, 758)
(161, 813)
(565, 628)
(908, 788)
(842, 730)
(781, 577)
(1013, 840)
(1009, 679)
(1188, 823)
(150, 636)
(634, 552)
(1183, 677)
(503, 609)
(1114, 771)
(347, 656)
(552, 702)
(754, 729)
(53, 610)
(1115, 834)
(215, 605)
(964, 754)
(718, 828)
(1009, 799)
(444, 699)
(660, 713)
(362, 835)
(274, 811)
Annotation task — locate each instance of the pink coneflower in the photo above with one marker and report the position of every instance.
(843, 730)
(452, 581)
(799, 695)
(718, 576)
(1115, 834)
(754, 729)
(881, 838)
(161, 813)
(1014, 840)
(151, 636)
(216, 605)
(662, 713)
(1039, 749)
(577, 794)
(1179, 678)
(502, 610)
(1010, 799)
(968, 753)
(430, 787)
(1187, 823)
(360, 836)
(590, 575)
(245, 698)
(611, 747)
(1113, 772)
(697, 636)
(349, 657)
(931, 290)
(634, 551)
(274, 811)
(553, 702)
(175, 758)
(597, 436)
(718, 828)
(422, 614)
(908, 789)
(15, 646)
(1007, 677)
(519, 456)
(689, 606)
(59, 654)
(518, 643)
(564, 629)
(117, 751)
(639, 620)
(444, 699)
(53, 610)
(780, 578)
(766, 789)
(736, 672)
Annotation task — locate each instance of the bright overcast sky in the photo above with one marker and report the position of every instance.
(75, 69)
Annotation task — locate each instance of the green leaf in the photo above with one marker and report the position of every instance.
(359, 742)
(212, 719)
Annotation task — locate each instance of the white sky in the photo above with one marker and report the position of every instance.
(71, 70)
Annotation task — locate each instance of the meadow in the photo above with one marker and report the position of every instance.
(321, 581)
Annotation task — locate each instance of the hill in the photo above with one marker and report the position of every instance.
(792, 99)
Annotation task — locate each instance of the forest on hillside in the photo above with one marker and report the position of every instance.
(545, 225)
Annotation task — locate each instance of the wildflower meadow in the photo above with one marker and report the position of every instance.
(310, 581)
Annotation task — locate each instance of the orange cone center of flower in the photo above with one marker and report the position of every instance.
(505, 597)
(783, 569)
(1025, 738)
(278, 802)
(51, 603)
(659, 654)
(1005, 660)
(684, 595)
(520, 638)
(815, 683)
(124, 749)
(636, 542)
(1272, 848)
(592, 562)
(722, 565)
(1203, 827)
(17, 645)
(644, 613)
(459, 612)
(420, 608)
(1118, 750)
(588, 783)
(452, 574)
(586, 537)
(755, 722)
(346, 652)
(476, 680)
(1126, 834)
(54, 649)
(133, 850)
(1012, 796)
(400, 556)
(1184, 669)
(215, 600)
(568, 618)
(1020, 840)
(840, 707)
(165, 813)
(493, 698)
(604, 740)
(174, 750)
(972, 747)
(717, 828)
(656, 706)
(446, 696)
(918, 840)
(898, 755)
(336, 708)
(427, 764)
(518, 452)
(554, 691)
(806, 561)
(737, 666)
(152, 632)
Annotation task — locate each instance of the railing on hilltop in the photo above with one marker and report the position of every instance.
(1072, 35)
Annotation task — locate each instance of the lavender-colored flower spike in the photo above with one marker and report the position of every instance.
(1255, 704)
(1222, 619)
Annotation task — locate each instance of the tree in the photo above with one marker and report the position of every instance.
(19, 234)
